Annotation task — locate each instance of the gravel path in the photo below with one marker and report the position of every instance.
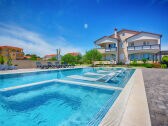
(156, 86)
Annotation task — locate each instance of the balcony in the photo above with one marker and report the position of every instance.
(106, 50)
(144, 47)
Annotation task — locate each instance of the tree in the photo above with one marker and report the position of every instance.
(68, 58)
(78, 59)
(1, 60)
(53, 59)
(9, 61)
(144, 60)
(92, 55)
(33, 57)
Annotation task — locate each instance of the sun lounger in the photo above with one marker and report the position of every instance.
(103, 71)
(50, 65)
(3, 67)
(58, 65)
(82, 78)
(39, 65)
(92, 74)
(11, 67)
(6, 67)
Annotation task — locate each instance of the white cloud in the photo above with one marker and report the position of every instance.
(33, 42)
(85, 26)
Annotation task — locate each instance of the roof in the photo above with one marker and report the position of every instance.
(27, 57)
(74, 53)
(50, 55)
(10, 47)
(100, 38)
(105, 37)
(144, 32)
(129, 31)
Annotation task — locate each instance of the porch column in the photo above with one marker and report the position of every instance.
(153, 57)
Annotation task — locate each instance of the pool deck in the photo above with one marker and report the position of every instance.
(131, 107)
(156, 85)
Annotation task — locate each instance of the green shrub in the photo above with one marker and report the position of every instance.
(165, 60)
(148, 65)
(120, 63)
(134, 62)
(1, 60)
(163, 66)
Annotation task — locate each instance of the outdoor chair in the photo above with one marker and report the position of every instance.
(50, 65)
(58, 65)
(39, 65)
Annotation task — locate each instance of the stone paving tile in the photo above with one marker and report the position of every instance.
(156, 86)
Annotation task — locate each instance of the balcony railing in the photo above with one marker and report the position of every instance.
(143, 47)
(111, 49)
(104, 50)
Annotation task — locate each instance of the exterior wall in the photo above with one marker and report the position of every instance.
(140, 42)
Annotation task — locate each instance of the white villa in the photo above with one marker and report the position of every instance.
(126, 45)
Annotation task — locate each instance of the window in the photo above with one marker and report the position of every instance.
(132, 44)
(123, 34)
(144, 43)
(112, 45)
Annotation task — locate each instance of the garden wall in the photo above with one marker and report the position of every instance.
(23, 64)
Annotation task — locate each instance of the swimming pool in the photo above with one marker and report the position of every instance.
(58, 103)
(9, 80)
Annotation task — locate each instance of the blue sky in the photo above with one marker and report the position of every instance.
(41, 26)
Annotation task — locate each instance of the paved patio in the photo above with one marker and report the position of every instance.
(156, 86)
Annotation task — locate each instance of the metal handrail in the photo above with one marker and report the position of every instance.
(141, 47)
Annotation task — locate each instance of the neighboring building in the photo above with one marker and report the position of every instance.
(27, 57)
(15, 53)
(49, 56)
(126, 45)
(164, 53)
(74, 53)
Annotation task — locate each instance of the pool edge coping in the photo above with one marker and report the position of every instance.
(127, 116)
(22, 71)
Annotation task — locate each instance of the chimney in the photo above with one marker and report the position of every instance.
(115, 32)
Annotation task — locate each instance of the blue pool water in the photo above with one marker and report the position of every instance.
(53, 104)
(58, 103)
(25, 78)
